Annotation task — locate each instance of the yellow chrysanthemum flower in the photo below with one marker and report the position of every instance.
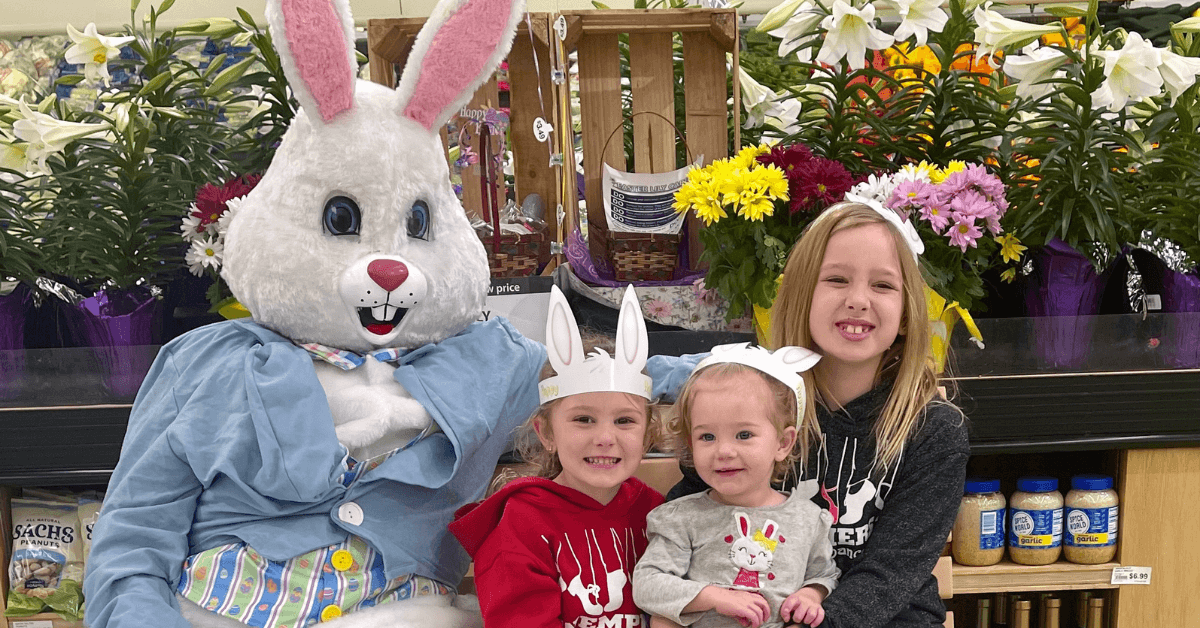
(1010, 247)
(1009, 275)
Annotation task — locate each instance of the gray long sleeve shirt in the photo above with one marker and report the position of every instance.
(696, 541)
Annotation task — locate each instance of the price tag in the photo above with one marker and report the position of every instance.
(1153, 303)
(560, 27)
(542, 129)
(1131, 575)
(36, 623)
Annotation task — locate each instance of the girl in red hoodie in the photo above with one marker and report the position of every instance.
(559, 549)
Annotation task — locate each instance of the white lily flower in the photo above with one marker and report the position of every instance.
(1189, 25)
(850, 32)
(784, 115)
(12, 155)
(996, 32)
(94, 51)
(918, 17)
(799, 28)
(1032, 68)
(755, 98)
(1132, 73)
(46, 135)
(1178, 72)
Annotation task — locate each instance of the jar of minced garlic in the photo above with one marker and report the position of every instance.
(1035, 521)
(1091, 513)
(979, 530)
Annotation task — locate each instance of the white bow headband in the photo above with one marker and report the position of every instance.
(784, 364)
(907, 229)
(598, 372)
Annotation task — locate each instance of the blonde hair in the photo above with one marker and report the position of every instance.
(908, 362)
(783, 412)
(545, 463)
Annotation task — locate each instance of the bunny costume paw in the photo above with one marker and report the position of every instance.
(302, 466)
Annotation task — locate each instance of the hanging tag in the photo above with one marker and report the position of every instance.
(1153, 302)
(556, 159)
(560, 27)
(558, 77)
(1131, 575)
(542, 129)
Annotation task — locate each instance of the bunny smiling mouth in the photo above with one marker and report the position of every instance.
(381, 326)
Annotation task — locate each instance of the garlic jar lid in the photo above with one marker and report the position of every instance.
(1037, 484)
(1091, 482)
(981, 485)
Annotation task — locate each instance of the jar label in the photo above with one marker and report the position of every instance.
(1035, 528)
(1092, 527)
(991, 529)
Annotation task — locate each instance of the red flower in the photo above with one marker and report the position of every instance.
(212, 201)
(787, 158)
(818, 184)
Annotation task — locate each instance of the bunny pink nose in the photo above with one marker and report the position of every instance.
(389, 274)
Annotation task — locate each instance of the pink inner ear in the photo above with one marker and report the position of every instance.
(769, 531)
(458, 53)
(318, 45)
(744, 524)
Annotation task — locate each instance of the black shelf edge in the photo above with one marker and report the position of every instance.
(79, 445)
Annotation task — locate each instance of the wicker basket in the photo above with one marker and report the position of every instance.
(519, 255)
(642, 256)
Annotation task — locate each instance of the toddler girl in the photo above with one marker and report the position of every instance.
(558, 550)
(741, 552)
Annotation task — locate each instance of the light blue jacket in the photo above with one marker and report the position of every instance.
(231, 440)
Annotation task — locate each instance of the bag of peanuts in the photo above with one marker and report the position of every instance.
(47, 559)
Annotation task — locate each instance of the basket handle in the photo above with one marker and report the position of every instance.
(653, 113)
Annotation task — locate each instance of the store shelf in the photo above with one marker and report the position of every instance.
(1008, 576)
(42, 620)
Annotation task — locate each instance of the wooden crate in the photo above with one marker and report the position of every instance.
(707, 35)
(389, 42)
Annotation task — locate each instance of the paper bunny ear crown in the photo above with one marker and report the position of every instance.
(784, 364)
(598, 372)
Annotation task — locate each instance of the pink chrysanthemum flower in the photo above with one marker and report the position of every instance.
(936, 215)
(910, 195)
(964, 232)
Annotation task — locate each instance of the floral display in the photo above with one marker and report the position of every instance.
(754, 207)
(958, 211)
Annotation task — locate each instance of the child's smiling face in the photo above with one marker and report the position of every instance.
(734, 440)
(599, 437)
(858, 301)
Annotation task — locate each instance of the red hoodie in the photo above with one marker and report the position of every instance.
(547, 555)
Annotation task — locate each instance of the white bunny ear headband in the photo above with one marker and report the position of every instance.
(907, 229)
(784, 364)
(598, 372)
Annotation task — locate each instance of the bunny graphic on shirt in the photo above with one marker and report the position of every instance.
(752, 553)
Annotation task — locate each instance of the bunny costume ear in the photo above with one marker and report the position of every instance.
(315, 40)
(456, 51)
(784, 364)
(598, 372)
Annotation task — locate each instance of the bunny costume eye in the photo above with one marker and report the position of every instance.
(341, 217)
(418, 221)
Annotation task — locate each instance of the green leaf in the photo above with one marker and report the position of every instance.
(155, 83)
(246, 18)
(69, 79)
(227, 76)
(133, 5)
(1064, 10)
(167, 4)
(600, 5)
(214, 65)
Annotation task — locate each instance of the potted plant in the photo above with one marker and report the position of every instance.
(111, 183)
(1073, 152)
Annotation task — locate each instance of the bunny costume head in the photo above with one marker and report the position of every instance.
(354, 237)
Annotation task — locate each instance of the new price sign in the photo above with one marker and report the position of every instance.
(524, 301)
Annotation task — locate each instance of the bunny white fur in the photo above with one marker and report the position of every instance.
(748, 554)
(381, 149)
